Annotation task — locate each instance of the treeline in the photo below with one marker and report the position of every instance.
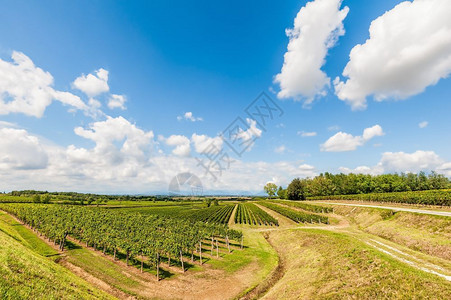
(346, 184)
(74, 197)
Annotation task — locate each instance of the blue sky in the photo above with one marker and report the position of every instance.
(211, 60)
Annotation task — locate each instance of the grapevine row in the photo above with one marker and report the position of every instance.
(305, 206)
(249, 213)
(432, 197)
(214, 214)
(297, 216)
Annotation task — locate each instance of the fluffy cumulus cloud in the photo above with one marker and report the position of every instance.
(117, 101)
(27, 89)
(204, 143)
(181, 144)
(252, 176)
(249, 135)
(317, 27)
(93, 84)
(116, 140)
(409, 49)
(189, 117)
(343, 141)
(410, 162)
(123, 160)
(20, 150)
(361, 170)
(405, 162)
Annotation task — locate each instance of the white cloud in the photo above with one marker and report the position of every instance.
(333, 128)
(122, 160)
(423, 124)
(205, 143)
(281, 149)
(410, 162)
(248, 136)
(317, 27)
(107, 135)
(402, 162)
(445, 169)
(181, 144)
(307, 134)
(343, 141)
(20, 150)
(189, 116)
(27, 89)
(117, 101)
(361, 170)
(409, 49)
(93, 85)
(4, 124)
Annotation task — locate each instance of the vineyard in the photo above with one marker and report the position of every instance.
(249, 213)
(432, 197)
(305, 206)
(15, 199)
(214, 214)
(297, 216)
(134, 235)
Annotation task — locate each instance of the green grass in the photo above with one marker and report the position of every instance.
(330, 265)
(100, 267)
(25, 236)
(257, 251)
(26, 274)
(425, 233)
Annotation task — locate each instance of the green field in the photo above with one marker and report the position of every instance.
(117, 249)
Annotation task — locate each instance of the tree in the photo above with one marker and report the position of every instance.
(296, 190)
(270, 188)
(282, 193)
(215, 202)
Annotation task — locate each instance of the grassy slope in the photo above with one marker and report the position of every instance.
(257, 251)
(425, 233)
(26, 274)
(329, 265)
(100, 267)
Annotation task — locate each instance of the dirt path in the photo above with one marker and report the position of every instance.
(414, 210)
(409, 259)
(232, 216)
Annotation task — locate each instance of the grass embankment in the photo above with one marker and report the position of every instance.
(25, 272)
(322, 264)
(424, 233)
